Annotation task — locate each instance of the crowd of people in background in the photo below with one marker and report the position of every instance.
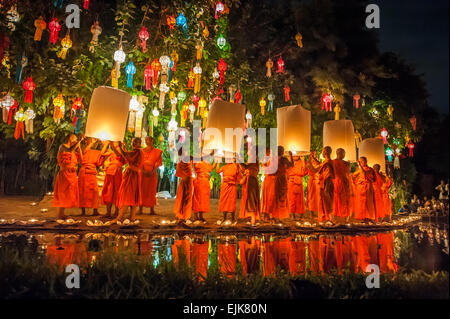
(430, 206)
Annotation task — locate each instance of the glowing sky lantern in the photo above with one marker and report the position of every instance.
(144, 36)
(294, 129)
(108, 113)
(384, 134)
(340, 134)
(373, 150)
(221, 42)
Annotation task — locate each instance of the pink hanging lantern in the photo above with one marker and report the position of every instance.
(144, 36)
(280, 64)
(148, 74)
(326, 102)
(222, 66)
(384, 134)
(54, 28)
(29, 87)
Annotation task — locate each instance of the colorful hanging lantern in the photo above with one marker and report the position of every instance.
(156, 66)
(163, 90)
(337, 110)
(358, 138)
(221, 42)
(12, 16)
(40, 25)
(54, 28)
(148, 74)
(262, 104)
(165, 61)
(231, 91)
(20, 126)
(413, 121)
(326, 102)
(173, 102)
(119, 58)
(280, 65)
(181, 96)
(270, 98)
(59, 104)
(29, 87)
(199, 52)
(222, 66)
(269, 66)
(9, 105)
(182, 22)
(238, 97)
(390, 112)
(195, 99)
(411, 148)
(144, 36)
(205, 32)
(131, 71)
(389, 154)
(184, 114)
(201, 106)
(191, 112)
(29, 117)
(115, 78)
(384, 134)
(299, 38)
(96, 30)
(248, 117)
(219, 10)
(356, 99)
(66, 44)
(174, 57)
(134, 104)
(22, 61)
(191, 77)
(197, 78)
(155, 114)
(86, 4)
(77, 112)
(287, 91)
(171, 22)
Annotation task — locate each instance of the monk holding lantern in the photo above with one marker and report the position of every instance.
(364, 200)
(342, 191)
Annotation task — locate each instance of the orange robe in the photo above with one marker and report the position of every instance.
(296, 197)
(378, 194)
(181, 251)
(343, 251)
(66, 185)
(326, 191)
(183, 201)
(297, 258)
(312, 191)
(228, 189)
(113, 179)
(281, 208)
(386, 199)
(129, 188)
(269, 258)
(200, 202)
(330, 261)
(199, 258)
(315, 257)
(268, 192)
(386, 252)
(66, 254)
(249, 254)
(364, 199)
(250, 203)
(150, 160)
(87, 179)
(227, 258)
(341, 188)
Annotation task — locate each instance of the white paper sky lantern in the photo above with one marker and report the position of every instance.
(340, 134)
(221, 116)
(108, 113)
(373, 150)
(294, 129)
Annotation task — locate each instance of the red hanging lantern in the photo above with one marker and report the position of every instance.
(12, 112)
(413, 121)
(171, 22)
(144, 36)
(222, 66)
(148, 74)
(326, 102)
(384, 134)
(195, 99)
(356, 99)
(280, 64)
(76, 105)
(29, 87)
(287, 91)
(156, 66)
(238, 97)
(411, 148)
(191, 77)
(86, 4)
(54, 28)
(4, 44)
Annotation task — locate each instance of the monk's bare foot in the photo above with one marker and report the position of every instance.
(95, 214)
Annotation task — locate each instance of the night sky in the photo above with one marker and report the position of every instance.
(418, 30)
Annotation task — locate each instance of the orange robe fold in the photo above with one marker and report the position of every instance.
(342, 191)
(151, 159)
(297, 258)
(183, 201)
(296, 197)
(378, 194)
(312, 191)
(386, 199)
(113, 179)
(199, 258)
(66, 192)
(386, 252)
(249, 253)
(250, 202)
(228, 188)
(364, 198)
(227, 258)
(87, 179)
(200, 202)
(129, 188)
(326, 190)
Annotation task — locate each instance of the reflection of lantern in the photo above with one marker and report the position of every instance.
(221, 42)
(108, 113)
(384, 134)
(59, 104)
(197, 78)
(144, 36)
(294, 129)
(262, 104)
(373, 150)
(411, 148)
(224, 115)
(340, 134)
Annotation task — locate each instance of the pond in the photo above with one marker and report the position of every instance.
(422, 247)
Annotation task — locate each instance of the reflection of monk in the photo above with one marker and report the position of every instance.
(296, 197)
(227, 258)
(199, 258)
(228, 190)
(183, 202)
(341, 185)
(249, 255)
(315, 257)
(66, 254)
(329, 262)
(111, 184)
(378, 194)
(364, 200)
(343, 249)
(151, 160)
(181, 251)
(297, 258)
(200, 203)
(386, 252)
(269, 258)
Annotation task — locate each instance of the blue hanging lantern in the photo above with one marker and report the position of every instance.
(58, 3)
(131, 71)
(271, 98)
(170, 68)
(182, 22)
(22, 61)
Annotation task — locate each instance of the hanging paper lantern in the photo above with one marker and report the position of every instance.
(29, 117)
(248, 117)
(59, 104)
(155, 114)
(119, 58)
(20, 126)
(326, 102)
(66, 44)
(390, 111)
(238, 97)
(221, 42)
(191, 112)
(199, 52)
(115, 78)
(287, 91)
(86, 4)
(184, 114)
(358, 138)
(174, 57)
(191, 77)
(231, 91)
(181, 96)
(8, 103)
(204, 116)
(270, 98)
(165, 64)
(77, 112)
(219, 9)
(171, 22)
(195, 99)
(29, 87)
(337, 110)
(96, 30)
(269, 66)
(40, 25)
(148, 74)
(201, 106)
(384, 134)
(262, 104)
(389, 154)
(413, 121)
(131, 71)
(22, 61)
(411, 148)
(144, 36)
(12, 16)
(356, 99)
(156, 66)
(197, 78)
(222, 66)
(133, 104)
(294, 129)
(373, 150)
(340, 134)
(280, 64)
(397, 158)
(54, 28)
(205, 32)
(299, 38)
(163, 90)
(182, 22)
(173, 102)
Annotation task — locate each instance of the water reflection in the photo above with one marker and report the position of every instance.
(425, 247)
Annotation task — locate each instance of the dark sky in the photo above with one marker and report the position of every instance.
(418, 30)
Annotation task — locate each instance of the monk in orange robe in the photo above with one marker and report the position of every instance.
(312, 190)
(342, 191)
(151, 160)
(227, 258)
(378, 194)
(249, 253)
(228, 189)
(268, 185)
(183, 201)
(199, 257)
(202, 195)
(129, 188)
(296, 197)
(386, 252)
(364, 198)
(325, 171)
(387, 202)
(113, 179)
(87, 176)
(66, 193)
(250, 202)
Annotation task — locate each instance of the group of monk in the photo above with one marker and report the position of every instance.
(333, 194)
(133, 188)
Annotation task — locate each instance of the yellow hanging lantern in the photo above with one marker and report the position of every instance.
(337, 110)
(59, 104)
(201, 106)
(262, 104)
(205, 117)
(197, 78)
(299, 39)
(358, 138)
(199, 48)
(115, 78)
(390, 111)
(66, 45)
